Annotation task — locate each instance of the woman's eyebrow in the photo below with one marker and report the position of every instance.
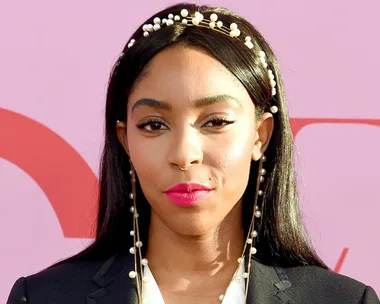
(199, 103)
(208, 101)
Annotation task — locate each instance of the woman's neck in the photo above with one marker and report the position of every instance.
(215, 251)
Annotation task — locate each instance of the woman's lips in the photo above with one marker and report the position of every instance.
(187, 194)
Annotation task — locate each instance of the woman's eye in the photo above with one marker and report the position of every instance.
(152, 126)
(218, 122)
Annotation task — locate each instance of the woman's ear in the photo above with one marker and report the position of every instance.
(121, 131)
(263, 134)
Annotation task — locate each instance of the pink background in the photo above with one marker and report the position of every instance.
(55, 61)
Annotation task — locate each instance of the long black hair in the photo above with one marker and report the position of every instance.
(282, 238)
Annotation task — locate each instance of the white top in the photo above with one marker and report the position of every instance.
(235, 293)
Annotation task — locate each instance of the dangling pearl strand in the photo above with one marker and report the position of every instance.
(252, 233)
(137, 244)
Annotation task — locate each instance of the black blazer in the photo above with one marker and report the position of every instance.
(108, 282)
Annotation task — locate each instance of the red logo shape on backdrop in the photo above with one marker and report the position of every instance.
(65, 177)
(62, 174)
(299, 123)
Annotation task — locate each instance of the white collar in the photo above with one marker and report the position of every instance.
(235, 293)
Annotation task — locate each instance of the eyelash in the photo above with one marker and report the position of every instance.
(216, 120)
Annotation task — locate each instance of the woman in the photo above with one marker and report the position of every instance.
(198, 200)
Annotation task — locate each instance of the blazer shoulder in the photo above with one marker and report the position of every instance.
(68, 271)
(325, 286)
(60, 281)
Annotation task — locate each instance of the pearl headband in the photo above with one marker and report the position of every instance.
(198, 20)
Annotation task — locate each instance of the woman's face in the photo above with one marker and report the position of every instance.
(189, 111)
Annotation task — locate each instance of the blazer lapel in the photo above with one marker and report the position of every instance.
(267, 285)
(113, 282)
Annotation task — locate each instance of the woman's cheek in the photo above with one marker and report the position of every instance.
(147, 157)
(235, 150)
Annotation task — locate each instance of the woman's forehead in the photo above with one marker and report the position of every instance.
(186, 73)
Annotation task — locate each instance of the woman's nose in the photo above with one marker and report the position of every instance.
(186, 150)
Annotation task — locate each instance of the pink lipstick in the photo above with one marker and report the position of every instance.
(187, 194)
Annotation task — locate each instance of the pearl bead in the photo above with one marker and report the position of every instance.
(253, 250)
(240, 260)
(156, 27)
(273, 109)
(233, 26)
(132, 274)
(262, 179)
(264, 158)
(221, 297)
(263, 171)
(195, 21)
(136, 215)
(261, 54)
(249, 241)
(219, 24)
(132, 250)
(132, 233)
(258, 214)
(273, 91)
(248, 38)
(144, 262)
(131, 195)
(149, 27)
(254, 233)
(245, 275)
(156, 20)
(164, 20)
(261, 192)
(184, 13)
(177, 18)
(249, 44)
(235, 33)
(197, 14)
(146, 34)
(184, 21)
(132, 209)
(169, 22)
(212, 24)
(170, 16)
(139, 244)
(145, 280)
(214, 17)
(144, 28)
(130, 171)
